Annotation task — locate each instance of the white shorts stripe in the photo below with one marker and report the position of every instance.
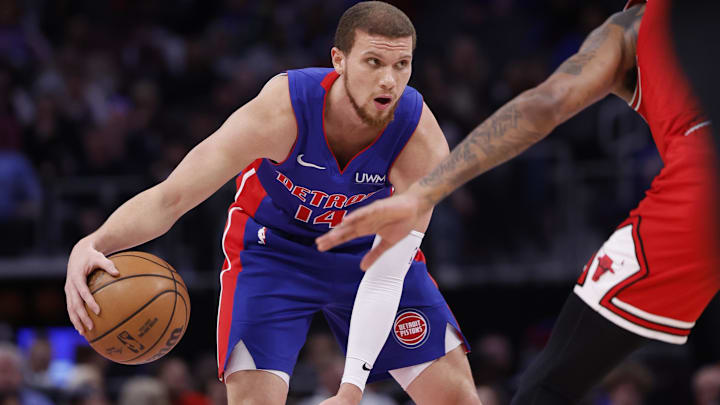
(632, 327)
(651, 317)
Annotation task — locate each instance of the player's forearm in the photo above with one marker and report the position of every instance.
(508, 132)
(142, 218)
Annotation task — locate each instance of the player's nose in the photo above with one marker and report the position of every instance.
(387, 79)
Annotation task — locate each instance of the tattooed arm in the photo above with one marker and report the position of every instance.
(601, 66)
(605, 63)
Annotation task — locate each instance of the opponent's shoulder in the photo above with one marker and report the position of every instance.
(426, 148)
(629, 22)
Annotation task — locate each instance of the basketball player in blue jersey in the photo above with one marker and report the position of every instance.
(314, 145)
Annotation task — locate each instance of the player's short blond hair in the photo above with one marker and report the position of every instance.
(375, 18)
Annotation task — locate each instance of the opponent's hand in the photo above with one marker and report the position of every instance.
(348, 394)
(84, 258)
(391, 218)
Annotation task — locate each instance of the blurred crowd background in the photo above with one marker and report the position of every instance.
(101, 99)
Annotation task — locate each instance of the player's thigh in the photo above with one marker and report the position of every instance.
(447, 381)
(255, 387)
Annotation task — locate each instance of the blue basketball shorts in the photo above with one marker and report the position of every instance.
(272, 285)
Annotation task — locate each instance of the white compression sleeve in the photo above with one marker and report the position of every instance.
(375, 306)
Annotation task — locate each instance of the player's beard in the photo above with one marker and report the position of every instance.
(365, 117)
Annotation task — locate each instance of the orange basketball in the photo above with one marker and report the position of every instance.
(143, 312)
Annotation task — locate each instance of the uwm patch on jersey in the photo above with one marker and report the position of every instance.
(411, 328)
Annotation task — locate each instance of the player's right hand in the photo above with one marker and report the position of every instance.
(84, 258)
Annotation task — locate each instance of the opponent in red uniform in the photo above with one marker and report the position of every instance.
(658, 270)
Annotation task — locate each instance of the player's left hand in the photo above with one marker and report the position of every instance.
(392, 218)
(348, 394)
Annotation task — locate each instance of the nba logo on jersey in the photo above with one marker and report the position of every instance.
(411, 328)
(261, 235)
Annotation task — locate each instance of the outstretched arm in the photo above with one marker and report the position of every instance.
(255, 130)
(379, 293)
(597, 69)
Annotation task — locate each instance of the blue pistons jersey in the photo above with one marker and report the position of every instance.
(274, 280)
(309, 193)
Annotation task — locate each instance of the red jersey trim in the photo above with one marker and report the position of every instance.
(228, 283)
(250, 191)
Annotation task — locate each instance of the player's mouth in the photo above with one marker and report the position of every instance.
(381, 103)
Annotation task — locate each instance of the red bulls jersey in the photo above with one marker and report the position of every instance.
(683, 196)
(663, 95)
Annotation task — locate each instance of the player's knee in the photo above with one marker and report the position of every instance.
(468, 396)
(254, 387)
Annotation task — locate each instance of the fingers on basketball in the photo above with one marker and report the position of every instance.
(146, 309)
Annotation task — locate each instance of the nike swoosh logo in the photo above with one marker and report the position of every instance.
(365, 367)
(306, 164)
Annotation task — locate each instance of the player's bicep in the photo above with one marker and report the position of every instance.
(589, 75)
(259, 129)
(425, 150)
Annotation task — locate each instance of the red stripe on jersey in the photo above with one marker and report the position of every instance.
(252, 192)
(232, 245)
(328, 81)
(434, 282)
(420, 256)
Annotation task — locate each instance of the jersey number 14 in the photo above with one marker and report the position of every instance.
(331, 218)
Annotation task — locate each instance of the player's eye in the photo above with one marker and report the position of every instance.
(373, 61)
(402, 64)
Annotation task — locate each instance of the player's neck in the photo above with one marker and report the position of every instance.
(343, 127)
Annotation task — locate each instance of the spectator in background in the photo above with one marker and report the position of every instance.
(86, 396)
(706, 385)
(12, 387)
(20, 201)
(143, 391)
(175, 374)
(37, 372)
(628, 384)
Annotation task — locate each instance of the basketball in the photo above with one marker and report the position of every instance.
(143, 312)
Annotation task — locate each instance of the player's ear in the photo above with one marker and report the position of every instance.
(338, 60)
